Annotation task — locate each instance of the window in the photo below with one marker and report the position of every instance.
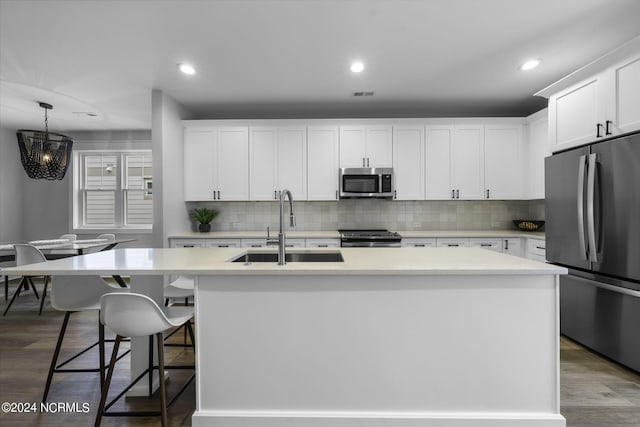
(113, 190)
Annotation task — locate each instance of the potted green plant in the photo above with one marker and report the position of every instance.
(204, 216)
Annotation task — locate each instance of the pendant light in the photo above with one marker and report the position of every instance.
(44, 155)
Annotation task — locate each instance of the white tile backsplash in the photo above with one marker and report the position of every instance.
(371, 213)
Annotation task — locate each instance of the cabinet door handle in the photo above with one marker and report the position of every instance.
(607, 130)
(541, 248)
(258, 245)
(487, 193)
(367, 162)
(506, 245)
(223, 246)
(453, 194)
(214, 194)
(457, 194)
(363, 165)
(486, 245)
(188, 246)
(453, 245)
(219, 195)
(395, 194)
(336, 194)
(598, 126)
(275, 195)
(419, 245)
(323, 246)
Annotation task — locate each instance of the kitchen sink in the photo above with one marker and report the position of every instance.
(250, 257)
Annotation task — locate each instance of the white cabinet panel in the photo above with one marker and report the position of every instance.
(223, 243)
(626, 101)
(323, 162)
(322, 243)
(216, 164)
(408, 162)
(379, 144)
(417, 242)
(467, 156)
(278, 159)
(232, 163)
(291, 171)
(489, 244)
(452, 242)
(263, 155)
(512, 246)
(199, 154)
(537, 148)
(187, 243)
(366, 146)
(438, 141)
(536, 249)
(573, 115)
(253, 243)
(503, 162)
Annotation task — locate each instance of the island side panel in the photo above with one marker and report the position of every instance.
(316, 348)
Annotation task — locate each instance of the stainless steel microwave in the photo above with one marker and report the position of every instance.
(366, 183)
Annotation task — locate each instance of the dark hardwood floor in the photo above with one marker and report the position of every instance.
(594, 391)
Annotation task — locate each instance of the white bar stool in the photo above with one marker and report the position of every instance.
(136, 315)
(72, 294)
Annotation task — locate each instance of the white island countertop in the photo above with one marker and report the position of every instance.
(216, 261)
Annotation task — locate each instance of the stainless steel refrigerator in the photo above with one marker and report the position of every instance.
(593, 228)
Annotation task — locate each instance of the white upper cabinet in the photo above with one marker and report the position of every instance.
(438, 142)
(366, 146)
(574, 115)
(277, 160)
(216, 163)
(323, 162)
(467, 162)
(454, 166)
(408, 162)
(503, 162)
(536, 149)
(601, 106)
(623, 103)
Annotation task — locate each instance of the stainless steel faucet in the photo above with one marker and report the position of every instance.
(281, 240)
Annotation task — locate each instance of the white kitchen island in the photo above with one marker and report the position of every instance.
(389, 337)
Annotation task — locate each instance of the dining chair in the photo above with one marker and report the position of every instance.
(135, 315)
(76, 294)
(28, 254)
(108, 236)
(70, 237)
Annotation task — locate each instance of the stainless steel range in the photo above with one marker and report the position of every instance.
(370, 238)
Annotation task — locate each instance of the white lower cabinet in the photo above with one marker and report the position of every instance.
(512, 246)
(490, 244)
(322, 243)
(223, 243)
(419, 243)
(536, 249)
(187, 243)
(453, 242)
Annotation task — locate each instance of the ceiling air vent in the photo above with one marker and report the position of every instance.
(363, 93)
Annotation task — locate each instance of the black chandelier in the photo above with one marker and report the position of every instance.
(44, 155)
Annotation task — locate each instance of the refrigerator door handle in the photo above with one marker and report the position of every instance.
(581, 241)
(591, 230)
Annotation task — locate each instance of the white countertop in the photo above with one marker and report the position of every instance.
(357, 261)
(296, 234)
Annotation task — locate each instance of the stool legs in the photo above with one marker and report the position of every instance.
(107, 382)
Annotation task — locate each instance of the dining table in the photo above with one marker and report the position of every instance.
(61, 248)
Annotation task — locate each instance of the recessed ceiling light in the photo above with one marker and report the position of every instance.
(530, 64)
(357, 67)
(187, 69)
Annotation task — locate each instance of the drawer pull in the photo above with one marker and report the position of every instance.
(453, 245)
(541, 247)
(223, 246)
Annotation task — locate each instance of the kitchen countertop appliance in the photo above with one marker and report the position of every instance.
(593, 228)
(369, 238)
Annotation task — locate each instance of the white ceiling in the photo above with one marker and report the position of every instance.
(273, 59)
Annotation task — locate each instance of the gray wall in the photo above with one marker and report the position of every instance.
(11, 192)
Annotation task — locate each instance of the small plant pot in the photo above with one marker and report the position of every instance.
(204, 228)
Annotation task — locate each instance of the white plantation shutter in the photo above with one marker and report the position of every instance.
(115, 189)
(138, 202)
